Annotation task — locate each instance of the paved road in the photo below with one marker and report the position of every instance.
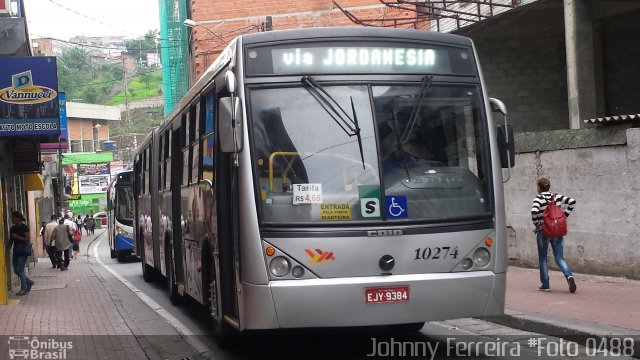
(463, 338)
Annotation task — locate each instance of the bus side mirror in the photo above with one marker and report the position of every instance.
(230, 80)
(506, 146)
(230, 125)
(498, 106)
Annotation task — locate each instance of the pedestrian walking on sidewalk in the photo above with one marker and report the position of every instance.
(85, 223)
(20, 239)
(51, 245)
(62, 236)
(72, 225)
(79, 224)
(537, 210)
(77, 237)
(92, 224)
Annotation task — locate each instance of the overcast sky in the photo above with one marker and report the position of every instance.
(130, 18)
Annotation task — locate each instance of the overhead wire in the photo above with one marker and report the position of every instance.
(98, 46)
(88, 17)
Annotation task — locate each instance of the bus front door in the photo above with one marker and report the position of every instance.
(228, 235)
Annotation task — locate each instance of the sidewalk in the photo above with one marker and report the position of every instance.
(603, 307)
(88, 307)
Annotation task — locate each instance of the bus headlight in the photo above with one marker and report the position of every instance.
(481, 257)
(279, 266)
(467, 264)
(297, 272)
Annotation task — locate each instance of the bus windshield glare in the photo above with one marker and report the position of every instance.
(125, 201)
(420, 155)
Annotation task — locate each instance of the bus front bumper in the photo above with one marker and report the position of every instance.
(341, 302)
(123, 243)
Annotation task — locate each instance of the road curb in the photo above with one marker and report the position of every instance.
(569, 329)
(201, 350)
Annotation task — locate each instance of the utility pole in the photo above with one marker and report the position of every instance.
(126, 96)
(60, 178)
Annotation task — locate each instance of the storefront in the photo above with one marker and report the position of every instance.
(86, 179)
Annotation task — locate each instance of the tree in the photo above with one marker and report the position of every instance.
(138, 49)
(145, 77)
(86, 78)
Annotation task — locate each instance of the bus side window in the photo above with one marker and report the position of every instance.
(139, 178)
(208, 157)
(185, 166)
(144, 172)
(194, 154)
(167, 159)
(147, 166)
(208, 144)
(160, 164)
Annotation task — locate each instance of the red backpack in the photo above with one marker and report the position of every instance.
(554, 221)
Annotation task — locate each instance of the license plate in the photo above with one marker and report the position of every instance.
(386, 295)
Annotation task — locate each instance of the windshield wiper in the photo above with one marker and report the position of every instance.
(338, 114)
(415, 110)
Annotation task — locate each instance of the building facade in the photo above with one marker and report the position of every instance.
(566, 70)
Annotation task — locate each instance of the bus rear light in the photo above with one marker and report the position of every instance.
(270, 250)
(481, 257)
(279, 266)
(488, 241)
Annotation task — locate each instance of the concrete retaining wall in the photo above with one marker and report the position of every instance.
(605, 180)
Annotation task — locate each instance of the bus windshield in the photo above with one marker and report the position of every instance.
(124, 208)
(421, 153)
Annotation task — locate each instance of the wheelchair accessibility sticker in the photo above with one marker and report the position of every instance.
(396, 207)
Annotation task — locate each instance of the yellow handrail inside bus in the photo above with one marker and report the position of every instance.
(284, 173)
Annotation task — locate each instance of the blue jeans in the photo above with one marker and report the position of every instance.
(19, 262)
(558, 254)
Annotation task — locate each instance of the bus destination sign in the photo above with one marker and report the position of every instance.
(281, 60)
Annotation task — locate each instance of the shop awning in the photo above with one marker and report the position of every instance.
(606, 119)
(33, 182)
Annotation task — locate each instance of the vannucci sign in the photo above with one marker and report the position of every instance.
(23, 91)
(29, 96)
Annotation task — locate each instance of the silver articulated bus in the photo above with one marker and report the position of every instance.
(330, 177)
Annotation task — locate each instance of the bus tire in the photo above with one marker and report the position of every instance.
(172, 288)
(122, 256)
(148, 273)
(113, 254)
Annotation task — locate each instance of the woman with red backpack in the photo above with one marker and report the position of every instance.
(549, 212)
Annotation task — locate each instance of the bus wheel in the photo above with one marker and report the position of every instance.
(172, 288)
(410, 328)
(113, 254)
(147, 271)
